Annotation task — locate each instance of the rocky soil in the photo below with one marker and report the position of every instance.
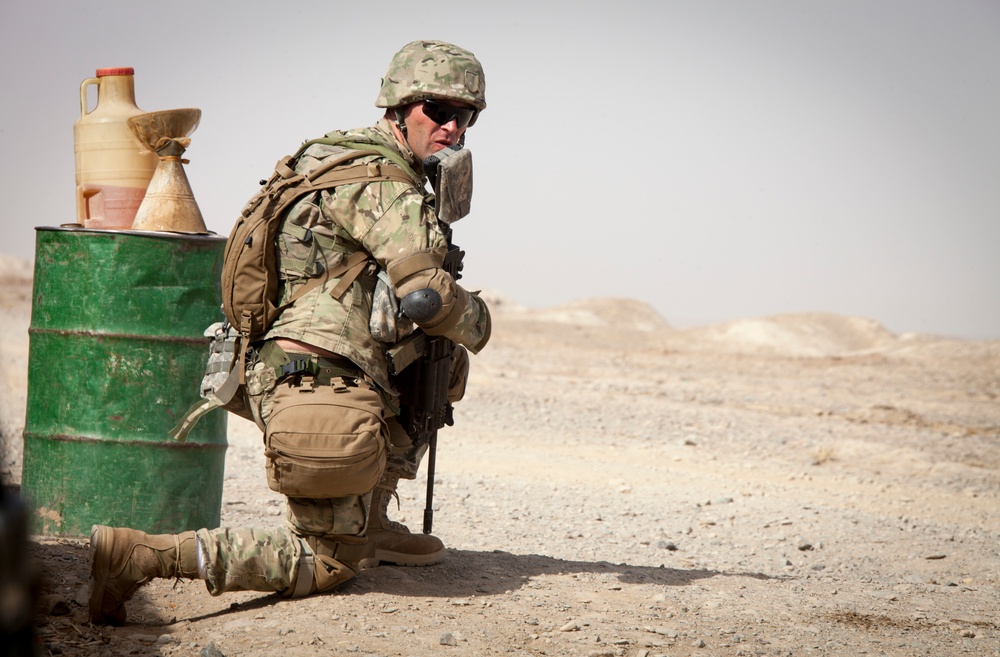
(613, 486)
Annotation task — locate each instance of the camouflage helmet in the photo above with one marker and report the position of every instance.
(433, 69)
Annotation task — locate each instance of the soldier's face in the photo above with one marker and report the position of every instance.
(425, 136)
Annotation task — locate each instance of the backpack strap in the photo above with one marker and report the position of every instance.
(331, 174)
(360, 144)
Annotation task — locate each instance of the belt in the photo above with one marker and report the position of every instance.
(322, 368)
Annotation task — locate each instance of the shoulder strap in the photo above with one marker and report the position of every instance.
(331, 173)
(361, 144)
(326, 176)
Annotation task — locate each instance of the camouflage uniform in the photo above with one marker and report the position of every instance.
(394, 225)
(390, 221)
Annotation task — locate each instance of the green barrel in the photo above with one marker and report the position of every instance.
(117, 353)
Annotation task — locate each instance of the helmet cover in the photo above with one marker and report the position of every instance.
(433, 69)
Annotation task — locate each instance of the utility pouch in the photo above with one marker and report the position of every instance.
(386, 324)
(220, 386)
(324, 440)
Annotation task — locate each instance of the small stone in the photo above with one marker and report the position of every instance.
(698, 643)
(664, 631)
(211, 651)
(935, 556)
(804, 545)
(571, 626)
(448, 639)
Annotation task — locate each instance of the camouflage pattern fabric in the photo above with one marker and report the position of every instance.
(248, 559)
(251, 559)
(327, 517)
(433, 69)
(389, 221)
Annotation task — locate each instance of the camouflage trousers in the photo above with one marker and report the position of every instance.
(322, 544)
(278, 560)
(249, 559)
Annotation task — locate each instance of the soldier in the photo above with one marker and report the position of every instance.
(320, 386)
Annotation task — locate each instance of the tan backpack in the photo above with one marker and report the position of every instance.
(249, 272)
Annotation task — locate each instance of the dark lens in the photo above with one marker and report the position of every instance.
(440, 113)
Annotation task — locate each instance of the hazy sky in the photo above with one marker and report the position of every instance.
(718, 160)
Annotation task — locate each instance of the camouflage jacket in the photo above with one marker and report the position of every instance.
(388, 220)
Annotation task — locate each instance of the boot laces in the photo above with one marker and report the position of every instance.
(392, 524)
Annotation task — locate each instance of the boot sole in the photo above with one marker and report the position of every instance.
(403, 559)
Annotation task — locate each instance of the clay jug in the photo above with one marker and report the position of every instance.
(112, 168)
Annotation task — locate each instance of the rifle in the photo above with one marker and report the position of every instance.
(424, 405)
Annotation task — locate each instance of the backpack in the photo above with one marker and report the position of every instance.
(250, 282)
(249, 273)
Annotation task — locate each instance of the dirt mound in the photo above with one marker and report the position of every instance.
(800, 334)
(605, 312)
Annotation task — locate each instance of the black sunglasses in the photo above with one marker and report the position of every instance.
(441, 113)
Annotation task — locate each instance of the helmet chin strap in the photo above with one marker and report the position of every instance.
(401, 122)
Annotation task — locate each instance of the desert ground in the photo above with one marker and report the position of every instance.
(797, 485)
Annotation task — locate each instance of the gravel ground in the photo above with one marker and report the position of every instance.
(799, 485)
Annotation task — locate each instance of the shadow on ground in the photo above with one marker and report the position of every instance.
(64, 628)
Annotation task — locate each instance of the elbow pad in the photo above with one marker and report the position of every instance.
(461, 316)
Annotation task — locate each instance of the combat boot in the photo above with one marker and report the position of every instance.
(122, 560)
(393, 541)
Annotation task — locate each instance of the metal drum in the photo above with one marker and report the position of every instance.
(117, 353)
